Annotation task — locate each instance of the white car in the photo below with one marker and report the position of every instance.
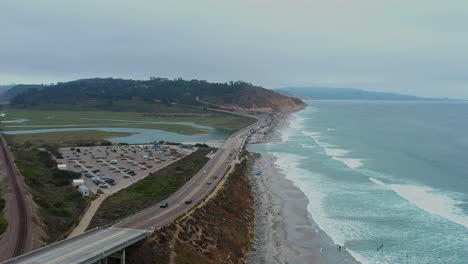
(205, 172)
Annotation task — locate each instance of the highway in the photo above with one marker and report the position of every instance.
(85, 248)
(196, 189)
(95, 245)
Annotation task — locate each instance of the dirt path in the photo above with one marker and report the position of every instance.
(17, 239)
(84, 222)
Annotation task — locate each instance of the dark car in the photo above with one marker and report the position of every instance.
(87, 175)
(163, 204)
(189, 201)
(109, 180)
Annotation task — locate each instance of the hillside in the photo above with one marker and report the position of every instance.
(4, 88)
(343, 94)
(18, 89)
(103, 93)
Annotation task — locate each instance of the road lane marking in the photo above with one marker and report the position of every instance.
(74, 252)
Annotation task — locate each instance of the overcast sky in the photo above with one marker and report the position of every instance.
(407, 46)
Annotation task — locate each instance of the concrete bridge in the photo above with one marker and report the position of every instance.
(94, 246)
(98, 245)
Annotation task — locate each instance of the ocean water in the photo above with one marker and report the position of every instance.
(383, 173)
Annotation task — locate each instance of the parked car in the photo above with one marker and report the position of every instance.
(163, 204)
(87, 175)
(103, 185)
(109, 180)
(143, 163)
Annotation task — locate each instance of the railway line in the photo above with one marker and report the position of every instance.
(98, 244)
(20, 212)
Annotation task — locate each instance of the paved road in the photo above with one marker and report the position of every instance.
(87, 248)
(196, 189)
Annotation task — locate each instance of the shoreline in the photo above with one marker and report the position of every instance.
(284, 229)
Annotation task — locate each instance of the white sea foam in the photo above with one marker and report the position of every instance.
(308, 146)
(350, 162)
(377, 181)
(297, 123)
(433, 202)
(358, 257)
(335, 152)
(289, 164)
(285, 135)
(331, 129)
(312, 134)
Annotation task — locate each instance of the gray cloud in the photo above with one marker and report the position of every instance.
(412, 46)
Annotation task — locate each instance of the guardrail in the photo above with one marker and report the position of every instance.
(51, 246)
(129, 218)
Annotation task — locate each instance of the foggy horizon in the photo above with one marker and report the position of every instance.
(407, 47)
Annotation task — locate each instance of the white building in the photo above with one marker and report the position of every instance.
(78, 182)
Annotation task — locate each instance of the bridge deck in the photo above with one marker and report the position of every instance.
(89, 247)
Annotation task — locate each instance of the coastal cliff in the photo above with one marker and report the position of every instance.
(153, 95)
(219, 231)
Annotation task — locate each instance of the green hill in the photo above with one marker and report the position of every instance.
(143, 95)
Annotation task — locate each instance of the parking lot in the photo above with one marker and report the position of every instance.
(111, 168)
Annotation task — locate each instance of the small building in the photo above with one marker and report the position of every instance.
(78, 182)
(84, 190)
(62, 166)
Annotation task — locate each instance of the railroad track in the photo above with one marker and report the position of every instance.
(23, 228)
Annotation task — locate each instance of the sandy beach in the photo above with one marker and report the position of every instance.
(285, 231)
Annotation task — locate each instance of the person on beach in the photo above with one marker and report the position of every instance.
(339, 248)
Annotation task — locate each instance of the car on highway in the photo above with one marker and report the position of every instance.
(163, 204)
(205, 172)
(215, 177)
(208, 182)
(189, 201)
